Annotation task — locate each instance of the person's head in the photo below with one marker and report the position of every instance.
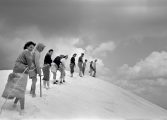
(66, 56)
(40, 47)
(50, 52)
(74, 55)
(95, 60)
(82, 54)
(61, 56)
(86, 60)
(29, 46)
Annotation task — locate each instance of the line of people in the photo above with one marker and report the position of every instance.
(28, 64)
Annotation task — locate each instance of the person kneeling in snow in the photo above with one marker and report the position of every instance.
(55, 67)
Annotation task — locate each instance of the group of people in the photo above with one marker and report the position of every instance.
(82, 66)
(28, 65)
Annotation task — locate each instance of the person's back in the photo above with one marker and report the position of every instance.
(94, 65)
(57, 61)
(72, 60)
(63, 62)
(23, 60)
(47, 59)
(63, 67)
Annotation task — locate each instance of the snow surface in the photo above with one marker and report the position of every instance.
(81, 98)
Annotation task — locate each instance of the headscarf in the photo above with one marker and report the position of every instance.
(40, 46)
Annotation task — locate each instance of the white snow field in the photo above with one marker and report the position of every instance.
(81, 98)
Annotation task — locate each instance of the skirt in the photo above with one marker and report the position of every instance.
(46, 72)
(72, 67)
(80, 66)
(15, 86)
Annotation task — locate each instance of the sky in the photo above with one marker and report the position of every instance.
(128, 37)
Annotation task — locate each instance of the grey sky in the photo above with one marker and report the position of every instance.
(129, 23)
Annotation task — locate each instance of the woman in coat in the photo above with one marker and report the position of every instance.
(17, 81)
(72, 64)
(46, 68)
(80, 64)
(35, 68)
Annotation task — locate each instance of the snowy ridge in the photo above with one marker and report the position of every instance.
(82, 98)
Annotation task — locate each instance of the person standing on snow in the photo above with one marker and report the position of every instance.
(72, 64)
(62, 68)
(80, 64)
(17, 80)
(91, 68)
(46, 68)
(84, 66)
(94, 68)
(55, 67)
(35, 68)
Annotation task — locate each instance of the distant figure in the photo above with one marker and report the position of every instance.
(72, 64)
(84, 66)
(80, 64)
(62, 68)
(94, 68)
(17, 80)
(46, 68)
(91, 68)
(55, 67)
(35, 67)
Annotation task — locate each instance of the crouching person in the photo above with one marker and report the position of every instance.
(54, 69)
(62, 68)
(17, 81)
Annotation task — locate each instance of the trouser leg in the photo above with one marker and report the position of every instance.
(94, 74)
(22, 101)
(33, 86)
(83, 70)
(54, 75)
(48, 83)
(80, 71)
(16, 100)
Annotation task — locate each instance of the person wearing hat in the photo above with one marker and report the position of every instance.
(17, 80)
(35, 68)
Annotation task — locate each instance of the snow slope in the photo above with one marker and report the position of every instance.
(81, 98)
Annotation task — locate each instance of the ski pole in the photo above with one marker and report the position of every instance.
(40, 86)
